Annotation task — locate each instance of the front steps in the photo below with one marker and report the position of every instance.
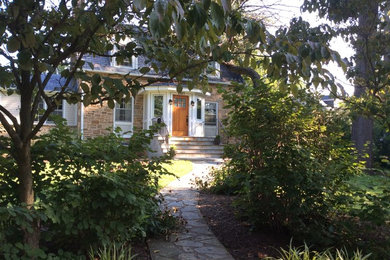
(195, 148)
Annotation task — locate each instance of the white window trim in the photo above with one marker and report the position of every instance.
(134, 60)
(51, 122)
(124, 122)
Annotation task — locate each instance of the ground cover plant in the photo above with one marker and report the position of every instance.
(89, 193)
(290, 167)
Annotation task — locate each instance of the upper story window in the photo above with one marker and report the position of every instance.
(58, 111)
(213, 69)
(128, 62)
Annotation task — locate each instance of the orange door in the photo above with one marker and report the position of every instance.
(180, 116)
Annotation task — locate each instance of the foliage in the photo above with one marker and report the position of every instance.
(305, 253)
(289, 161)
(88, 193)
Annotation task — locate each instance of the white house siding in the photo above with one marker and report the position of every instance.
(70, 113)
(12, 104)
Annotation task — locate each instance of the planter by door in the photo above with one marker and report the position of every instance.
(180, 116)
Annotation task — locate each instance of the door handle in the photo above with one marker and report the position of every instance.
(187, 120)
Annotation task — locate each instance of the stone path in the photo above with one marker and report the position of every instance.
(194, 241)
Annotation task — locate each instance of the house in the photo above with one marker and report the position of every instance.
(191, 117)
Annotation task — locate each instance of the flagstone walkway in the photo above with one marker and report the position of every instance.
(194, 241)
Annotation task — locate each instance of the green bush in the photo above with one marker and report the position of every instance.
(290, 160)
(88, 193)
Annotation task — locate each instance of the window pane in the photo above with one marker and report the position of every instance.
(123, 112)
(211, 113)
(198, 109)
(158, 106)
(128, 62)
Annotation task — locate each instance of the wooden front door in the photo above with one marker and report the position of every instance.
(180, 116)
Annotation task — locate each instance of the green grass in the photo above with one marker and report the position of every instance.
(178, 168)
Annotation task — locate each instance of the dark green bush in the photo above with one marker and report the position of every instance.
(289, 161)
(88, 193)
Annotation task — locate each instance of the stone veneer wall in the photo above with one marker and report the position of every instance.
(138, 112)
(97, 119)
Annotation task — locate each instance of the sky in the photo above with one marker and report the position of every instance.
(282, 11)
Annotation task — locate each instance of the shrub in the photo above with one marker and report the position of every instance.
(289, 162)
(88, 193)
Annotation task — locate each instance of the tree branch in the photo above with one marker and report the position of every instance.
(11, 117)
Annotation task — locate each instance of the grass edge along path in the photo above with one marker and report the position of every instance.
(178, 167)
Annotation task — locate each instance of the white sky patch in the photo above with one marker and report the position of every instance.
(280, 12)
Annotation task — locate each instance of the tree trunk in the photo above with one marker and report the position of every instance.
(26, 192)
(362, 127)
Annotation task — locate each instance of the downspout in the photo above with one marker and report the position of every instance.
(82, 121)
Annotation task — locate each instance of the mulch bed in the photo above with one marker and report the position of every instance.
(236, 235)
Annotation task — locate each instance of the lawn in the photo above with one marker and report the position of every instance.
(178, 167)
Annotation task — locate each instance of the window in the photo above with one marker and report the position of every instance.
(198, 109)
(42, 106)
(124, 112)
(124, 62)
(123, 117)
(213, 69)
(180, 102)
(158, 106)
(211, 113)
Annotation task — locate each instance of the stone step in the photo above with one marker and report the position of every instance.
(197, 156)
(198, 147)
(190, 138)
(209, 159)
(191, 143)
(178, 151)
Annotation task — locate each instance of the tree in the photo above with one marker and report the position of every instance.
(179, 38)
(365, 25)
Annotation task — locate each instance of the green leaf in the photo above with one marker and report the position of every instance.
(84, 87)
(294, 90)
(24, 58)
(144, 70)
(217, 16)
(111, 104)
(96, 79)
(13, 44)
(197, 16)
(206, 4)
(140, 4)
